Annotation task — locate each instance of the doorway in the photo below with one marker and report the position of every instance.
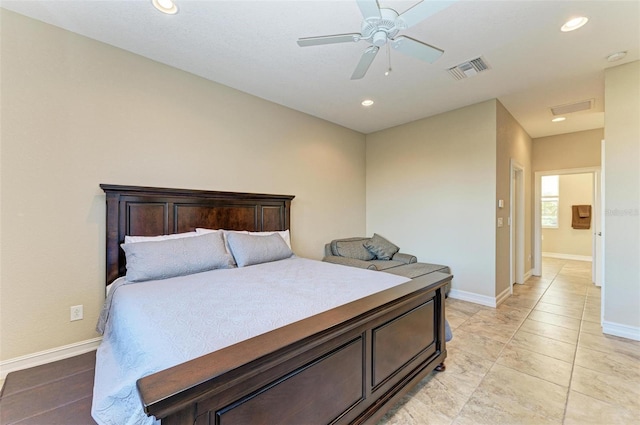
(595, 230)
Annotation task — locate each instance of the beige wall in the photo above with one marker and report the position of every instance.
(575, 189)
(571, 150)
(622, 200)
(512, 143)
(76, 113)
(431, 187)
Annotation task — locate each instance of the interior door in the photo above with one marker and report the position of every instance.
(597, 264)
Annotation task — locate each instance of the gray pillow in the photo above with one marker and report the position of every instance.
(175, 257)
(381, 248)
(352, 248)
(253, 249)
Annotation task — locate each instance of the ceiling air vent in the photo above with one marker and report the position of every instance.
(583, 105)
(468, 69)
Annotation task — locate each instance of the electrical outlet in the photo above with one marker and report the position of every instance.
(75, 312)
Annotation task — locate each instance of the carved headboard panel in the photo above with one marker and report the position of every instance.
(150, 211)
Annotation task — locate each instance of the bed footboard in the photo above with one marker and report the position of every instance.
(348, 365)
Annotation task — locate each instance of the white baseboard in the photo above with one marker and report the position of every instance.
(624, 331)
(473, 297)
(567, 256)
(47, 356)
(528, 274)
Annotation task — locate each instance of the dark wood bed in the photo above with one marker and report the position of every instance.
(348, 365)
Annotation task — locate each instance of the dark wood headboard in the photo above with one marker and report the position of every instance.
(151, 211)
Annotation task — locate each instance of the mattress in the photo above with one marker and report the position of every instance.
(153, 325)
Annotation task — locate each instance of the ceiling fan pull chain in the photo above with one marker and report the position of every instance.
(388, 71)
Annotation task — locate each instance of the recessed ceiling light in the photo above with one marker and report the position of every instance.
(574, 24)
(616, 56)
(558, 119)
(165, 6)
(367, 102)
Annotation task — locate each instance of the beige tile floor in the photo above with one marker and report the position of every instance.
(539, 358)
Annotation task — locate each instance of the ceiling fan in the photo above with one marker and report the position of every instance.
(380, 27)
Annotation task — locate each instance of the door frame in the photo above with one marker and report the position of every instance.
(516, 223)
(600, 233)
(597, 219)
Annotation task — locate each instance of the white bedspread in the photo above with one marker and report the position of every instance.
(158, 324)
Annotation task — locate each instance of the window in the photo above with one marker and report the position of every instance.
(549, 201)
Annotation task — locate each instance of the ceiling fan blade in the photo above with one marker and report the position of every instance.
(417, 49)
(369, 8)
(365, 62)
(328, 39)
(422, 11)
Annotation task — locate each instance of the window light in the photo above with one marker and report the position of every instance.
(549, 201)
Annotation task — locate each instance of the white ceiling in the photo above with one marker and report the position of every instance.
(251, 46)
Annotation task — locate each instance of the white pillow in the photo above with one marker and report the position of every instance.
(135, 239)
(284, 234)
(201, 231)
(175, 257)
(253, 249)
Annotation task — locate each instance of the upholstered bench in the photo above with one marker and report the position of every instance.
(377, 253)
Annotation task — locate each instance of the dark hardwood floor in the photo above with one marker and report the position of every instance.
(57, 393)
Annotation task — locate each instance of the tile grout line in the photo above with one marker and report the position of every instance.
(511, 338)
(574, 353)
(573, 363)
(501, 350)
(527, 317)
(33, 415)
(45, 383)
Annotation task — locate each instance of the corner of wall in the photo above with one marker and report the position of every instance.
(513, 145)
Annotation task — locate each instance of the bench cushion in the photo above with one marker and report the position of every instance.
(417, 269)
(386, 264)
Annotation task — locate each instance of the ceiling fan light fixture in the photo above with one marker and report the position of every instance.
(165, 6)
(574, 23)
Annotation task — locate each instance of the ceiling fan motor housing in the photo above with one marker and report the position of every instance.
(379, 30)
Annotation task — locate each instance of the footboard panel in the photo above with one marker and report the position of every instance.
(334, 384)
(401, 340)
(341, 368)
